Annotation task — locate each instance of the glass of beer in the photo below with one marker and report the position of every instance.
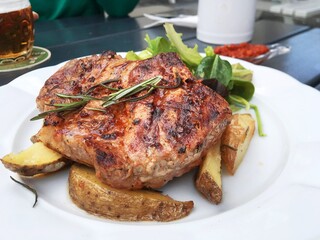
(16, 31)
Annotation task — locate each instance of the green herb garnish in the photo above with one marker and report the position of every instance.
(30, 189)
(119, 96)
(173, 43)
(213, 67)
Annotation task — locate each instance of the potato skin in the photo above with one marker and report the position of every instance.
(209, 188)
(235, 141)
(208, 181)
(35, 160)
(88, 193)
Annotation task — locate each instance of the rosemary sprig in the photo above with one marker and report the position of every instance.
(120, 95)
(29, 188)
(62, 107)
(128, 92)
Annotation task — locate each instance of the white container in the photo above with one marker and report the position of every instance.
(226, 21)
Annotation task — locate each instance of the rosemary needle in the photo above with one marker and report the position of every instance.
(29, 188)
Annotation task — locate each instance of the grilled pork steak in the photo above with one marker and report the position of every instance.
(133, 144)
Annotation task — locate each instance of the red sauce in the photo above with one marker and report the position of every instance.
(241, 50)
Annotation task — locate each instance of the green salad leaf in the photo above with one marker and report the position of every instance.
(243, 89)
(190, 56)
(131, 55)
(155, 46)
(214, 67)
(239, 72)
(158, 45)
(209, 51)
(242, 82)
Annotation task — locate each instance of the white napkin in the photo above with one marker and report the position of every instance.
(181, 20)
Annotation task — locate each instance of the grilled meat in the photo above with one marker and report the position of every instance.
(133, 144)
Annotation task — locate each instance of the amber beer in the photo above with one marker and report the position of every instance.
(16, 30)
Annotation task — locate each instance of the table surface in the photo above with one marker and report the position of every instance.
(80, 36)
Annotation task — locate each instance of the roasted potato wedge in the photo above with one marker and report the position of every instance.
(208, 181)
(235, 141)
(88, 193)
(37, 159)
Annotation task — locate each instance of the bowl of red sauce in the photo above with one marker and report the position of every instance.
(250, 52)
(255, 53)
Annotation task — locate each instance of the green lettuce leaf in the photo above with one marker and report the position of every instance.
(158, 45)
(213, 67)
(190, 56)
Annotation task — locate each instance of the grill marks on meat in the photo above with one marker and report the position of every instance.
(134, 144)
(78, 76)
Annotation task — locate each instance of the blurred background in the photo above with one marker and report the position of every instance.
(302, 12)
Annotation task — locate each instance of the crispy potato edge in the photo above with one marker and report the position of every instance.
(235, 141)
(89, 194)
(207, 186)
(208, 180)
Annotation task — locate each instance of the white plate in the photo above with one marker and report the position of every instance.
(275, 193)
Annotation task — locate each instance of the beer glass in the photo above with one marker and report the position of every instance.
(16, 31)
